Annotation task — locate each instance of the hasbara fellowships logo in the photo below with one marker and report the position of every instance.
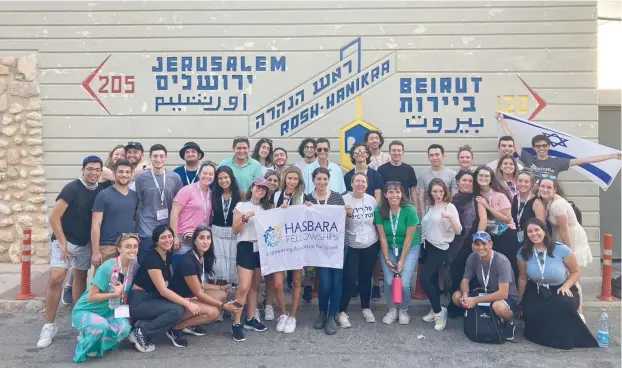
(272, 236)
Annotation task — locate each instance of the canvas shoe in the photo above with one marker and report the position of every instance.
(343, 320)
(390, 317)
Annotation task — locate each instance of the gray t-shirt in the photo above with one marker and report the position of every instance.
(549, 168)
(500, 272)
(447, 175)
(149, 198)
(118, 214)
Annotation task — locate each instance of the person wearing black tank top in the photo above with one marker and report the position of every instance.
(526, 205)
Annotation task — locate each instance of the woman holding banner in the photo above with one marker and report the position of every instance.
(330, 278)
(249, 268)
(363, 246)
(396, 220)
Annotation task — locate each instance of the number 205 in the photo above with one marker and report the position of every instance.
(512, 104)
(117, 84)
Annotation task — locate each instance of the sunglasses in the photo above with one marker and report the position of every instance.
(547, 176)
(392, 183)
(360, 152)
(323, 149)
(310, 147)
(544, 145)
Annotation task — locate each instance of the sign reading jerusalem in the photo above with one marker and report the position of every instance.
(300, 236)
(282, 94)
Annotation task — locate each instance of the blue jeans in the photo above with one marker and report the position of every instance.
(331, 280)
(146, 246)
(408, 270)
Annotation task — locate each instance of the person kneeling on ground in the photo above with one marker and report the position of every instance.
(189, 281)
(493, 271)
(101, 328)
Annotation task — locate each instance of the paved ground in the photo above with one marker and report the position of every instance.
(363, 345)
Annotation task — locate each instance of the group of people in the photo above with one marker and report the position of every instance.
(173, 250)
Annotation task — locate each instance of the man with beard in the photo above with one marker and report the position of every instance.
(113, 214)
(134, 153)
(191, 153)
(155, 189)
(70, 245)
(375, 141)
(279, 157)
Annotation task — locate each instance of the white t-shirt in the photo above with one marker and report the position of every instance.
(438, 230)
(361, 226)
(248, 231)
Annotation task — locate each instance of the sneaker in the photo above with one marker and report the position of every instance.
(320, 321)
(67, 297)
(390, 317)
(440, 320)
(375, 293)
(330, 328)
(509, 329)
(343, 320)
(177, 338)
(290, 325)
(140, 341)
(368, 316)
(257, 315)
(268, 313)
(254, 324)
(48, 332)
(237, 331)
(429, 317)
(280, 325)
(404, 318)
(307, 294)
(196, 331)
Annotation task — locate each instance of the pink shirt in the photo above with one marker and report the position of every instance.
(501, 202)
(197, 208)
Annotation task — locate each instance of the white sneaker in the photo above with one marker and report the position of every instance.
(344, 320)
(440, 320)
(368, 316)
(268, 313)
(429, 317)
(257, 315)
(290, 325)
(404, 318)
(280, 325)
(390, 317)
(48, 332)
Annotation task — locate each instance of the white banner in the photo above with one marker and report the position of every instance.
(299, 236)
(567, 146)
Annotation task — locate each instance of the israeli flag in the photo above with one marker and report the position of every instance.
(567, 146)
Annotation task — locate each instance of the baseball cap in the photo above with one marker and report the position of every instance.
(483, 236)
(261, 182)
(91, 159)
(136, 145)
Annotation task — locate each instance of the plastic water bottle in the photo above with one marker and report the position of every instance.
(114, 303)
(397, 289)
(603, 330)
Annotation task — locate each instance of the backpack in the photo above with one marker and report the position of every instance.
(577, 212)
(481, 324)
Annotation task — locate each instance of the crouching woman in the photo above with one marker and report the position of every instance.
(101, 328)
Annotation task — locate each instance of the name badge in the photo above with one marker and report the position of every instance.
(486, 304)
(521, 236)
(122, 311)
(361, 238)
(162, 214)
(255, 247)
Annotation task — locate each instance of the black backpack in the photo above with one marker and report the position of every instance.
(481, 324)
(577, 212)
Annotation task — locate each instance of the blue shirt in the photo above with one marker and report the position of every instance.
(335, 182)
(118, 212)
(374, 181)
(555, 270)
(186, 176)
(246, 174)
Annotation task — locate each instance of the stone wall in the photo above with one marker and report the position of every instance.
(22, 183)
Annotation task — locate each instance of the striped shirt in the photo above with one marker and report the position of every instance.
(334, 199)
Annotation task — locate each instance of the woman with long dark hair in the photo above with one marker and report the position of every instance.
(263, 153)
(507, 172)
(225, 196)
(548, 273)
(190, 281)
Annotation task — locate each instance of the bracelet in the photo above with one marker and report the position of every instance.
(222, 306)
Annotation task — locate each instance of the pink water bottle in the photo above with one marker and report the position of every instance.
(397, 289)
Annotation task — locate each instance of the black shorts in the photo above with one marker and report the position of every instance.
(246, 258)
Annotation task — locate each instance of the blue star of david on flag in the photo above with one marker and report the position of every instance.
(556, 140)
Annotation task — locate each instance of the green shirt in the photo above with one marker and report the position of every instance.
(408, 217)
(246, 174)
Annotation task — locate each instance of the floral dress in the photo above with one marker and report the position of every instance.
(98, 328)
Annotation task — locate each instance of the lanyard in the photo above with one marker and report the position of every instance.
(188, 179)
(542, 265)
(158, 185)
(202, 269)
(318, 199)
(519, 214)
(204, 200)
(225, 213)
(486, 278)
(394, 227)
(125, 279)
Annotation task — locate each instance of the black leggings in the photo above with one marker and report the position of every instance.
(358, 267)
(152, 313)
(433, 262)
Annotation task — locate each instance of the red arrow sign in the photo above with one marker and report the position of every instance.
(87, 84)
(541, 103)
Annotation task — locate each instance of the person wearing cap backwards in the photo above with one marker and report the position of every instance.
(247, 259)
(191, 153)
(495, 276)
(70, 246)
(134, 154)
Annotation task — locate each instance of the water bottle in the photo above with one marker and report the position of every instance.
(603, 330)
(114, 303)
(397, 289)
